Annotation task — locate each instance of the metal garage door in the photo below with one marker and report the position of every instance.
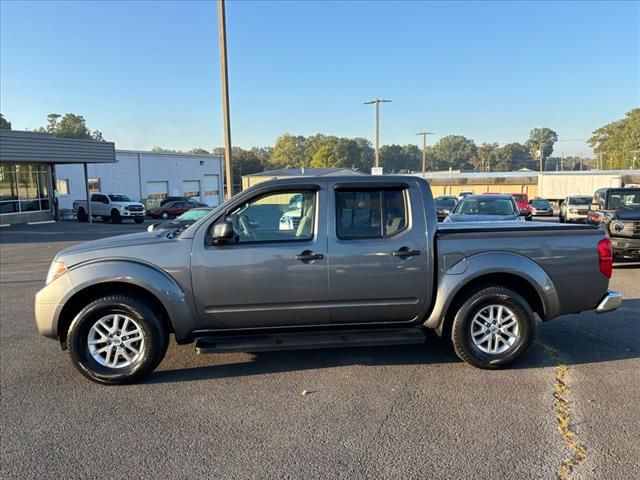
(156, 191)
(211, 190)
(191, 189)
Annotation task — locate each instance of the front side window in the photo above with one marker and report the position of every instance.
(276, 216)
(370, 214)
(119, 198)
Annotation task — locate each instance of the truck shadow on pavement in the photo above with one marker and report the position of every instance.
(575, 338)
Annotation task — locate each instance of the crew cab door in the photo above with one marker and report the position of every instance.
(274, 273)
(378, 264)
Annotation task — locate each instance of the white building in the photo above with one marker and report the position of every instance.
(145, 176)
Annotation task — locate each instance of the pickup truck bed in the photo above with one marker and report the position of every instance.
(361, 261)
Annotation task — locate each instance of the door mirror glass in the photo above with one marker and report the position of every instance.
(223, 232)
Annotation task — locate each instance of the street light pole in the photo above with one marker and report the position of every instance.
(222, 29)
(377, 101)
(635, 155)
(424, 151)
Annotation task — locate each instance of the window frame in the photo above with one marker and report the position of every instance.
(404, 189)
(223, 218)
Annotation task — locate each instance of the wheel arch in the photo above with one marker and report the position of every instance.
(509, 270)
(90, 281)
(83, 297)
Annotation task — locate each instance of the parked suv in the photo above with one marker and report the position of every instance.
(112, 207)
(617, 211)
(574, 208)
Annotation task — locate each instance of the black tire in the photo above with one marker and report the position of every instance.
(106, 218)
(155, 334)
(562, 220)
(82, 215)
(473, 303)
(138, 220)
(115, 216)
(164, 215)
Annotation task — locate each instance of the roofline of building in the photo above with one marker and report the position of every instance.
(172, 154)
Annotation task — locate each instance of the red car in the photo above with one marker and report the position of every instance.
(173, 209)
(522, 199)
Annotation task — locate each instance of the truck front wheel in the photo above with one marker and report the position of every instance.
(492, 327)
(82, 215)
(117, 339)
(115, 216)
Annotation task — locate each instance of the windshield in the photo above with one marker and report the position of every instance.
(194, 214)
(580, 201)
(485, 206)
(540, 203)
(445, 202)
(119, 198)
(624, 199)
(520, 198)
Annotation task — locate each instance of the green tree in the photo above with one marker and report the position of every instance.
(157, 149)
(199, 150)
(400, 159)
(485, 159)
(4, 123)
(618, 142)
(512, 157)
(324, 157)
(540, 143)
(454, 151)
(289, 151)
(70, 126)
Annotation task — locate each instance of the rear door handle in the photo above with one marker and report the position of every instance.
(308, 256)
(405, 252)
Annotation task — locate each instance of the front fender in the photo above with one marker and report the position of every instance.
(127, 271)
(452, 279)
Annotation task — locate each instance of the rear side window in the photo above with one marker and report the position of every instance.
(370, 213)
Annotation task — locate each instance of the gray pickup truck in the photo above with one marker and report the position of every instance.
(362, 262)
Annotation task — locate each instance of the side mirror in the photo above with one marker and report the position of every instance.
(223, 232)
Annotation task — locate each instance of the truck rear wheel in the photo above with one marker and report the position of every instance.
(492, 327)
(117, 339)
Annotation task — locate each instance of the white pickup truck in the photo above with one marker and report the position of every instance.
(110, 207)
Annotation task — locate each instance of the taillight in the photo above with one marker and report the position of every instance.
(605, 253)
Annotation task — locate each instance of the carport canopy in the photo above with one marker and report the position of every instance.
(17, 146)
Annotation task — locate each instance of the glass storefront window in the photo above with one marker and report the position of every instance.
(24, 187)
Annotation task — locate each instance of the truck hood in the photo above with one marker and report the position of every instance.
(457, 217)
(627, 215)
(117, 242)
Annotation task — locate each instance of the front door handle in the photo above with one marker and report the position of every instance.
(308, 256)
(405, 252)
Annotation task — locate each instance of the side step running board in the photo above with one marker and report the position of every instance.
(310, 340)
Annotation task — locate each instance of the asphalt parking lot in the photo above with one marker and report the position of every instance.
(387, 412)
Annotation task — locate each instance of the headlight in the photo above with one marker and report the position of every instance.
(55, 270)
(616, 226)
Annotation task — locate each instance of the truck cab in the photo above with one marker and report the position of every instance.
(617, 212)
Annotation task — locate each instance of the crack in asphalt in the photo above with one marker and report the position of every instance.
(577, 451)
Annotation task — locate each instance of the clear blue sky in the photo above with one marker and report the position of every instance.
(147, 73)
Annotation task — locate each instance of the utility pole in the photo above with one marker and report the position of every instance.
(377, 101)
(424, 151)
(222, 29)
